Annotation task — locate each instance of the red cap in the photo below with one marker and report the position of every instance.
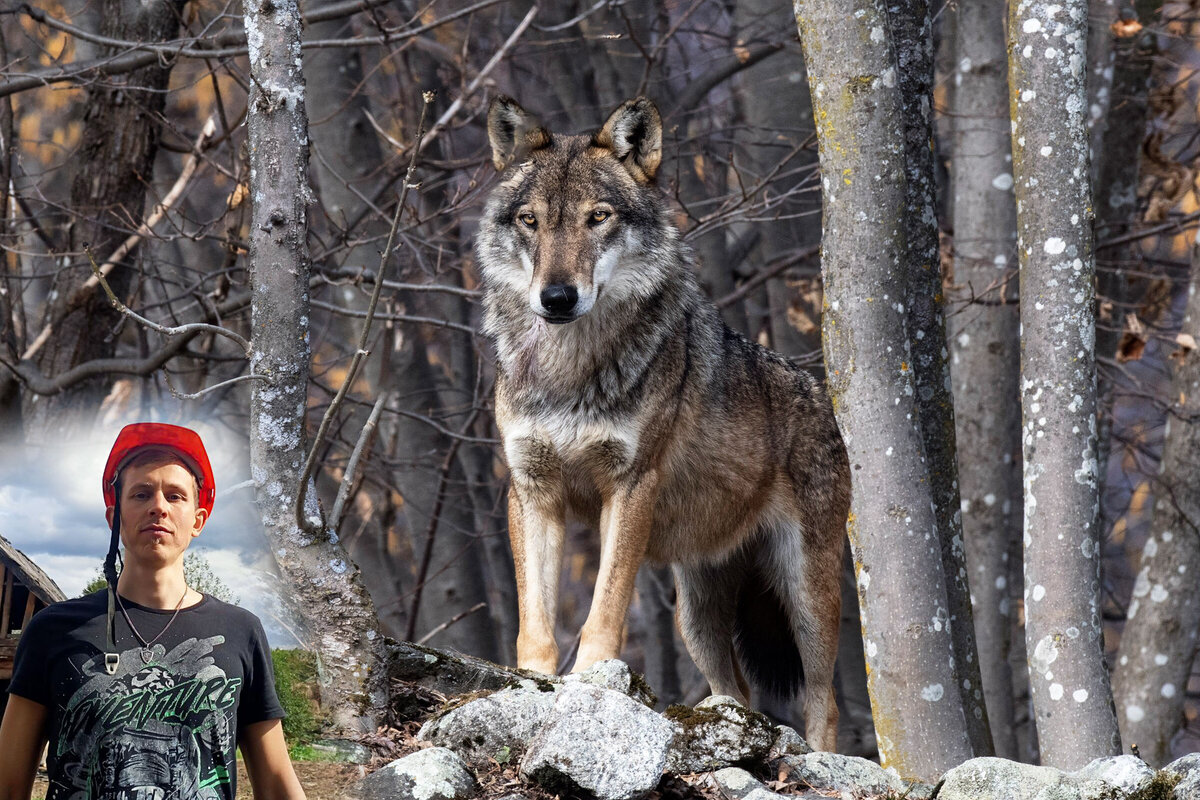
(185, 442)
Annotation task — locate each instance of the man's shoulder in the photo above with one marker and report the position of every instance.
(77, 607)
(231, 614)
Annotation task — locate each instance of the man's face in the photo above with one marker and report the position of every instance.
(159, 513)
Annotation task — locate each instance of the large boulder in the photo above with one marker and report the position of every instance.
(600, 743)
(1186, 771)
(497, 726)
(833, 772)
(719, 732)
(987, 778)
(787, 743)
(433, 774)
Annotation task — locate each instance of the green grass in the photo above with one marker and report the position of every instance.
(294, 671)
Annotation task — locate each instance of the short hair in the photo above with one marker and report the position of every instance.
(158, 455)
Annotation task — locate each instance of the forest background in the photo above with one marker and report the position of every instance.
(196, 205)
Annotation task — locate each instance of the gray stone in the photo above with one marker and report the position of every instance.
(787, 743)
(498, 726)
(433, 774)
(737, 784)
(987, 778)
(1187, 769)
(616, 675)
(834, 772)
(1128, 773)
(718, 732)
(598, 742)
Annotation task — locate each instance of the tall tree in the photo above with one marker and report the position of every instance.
(912, 29)
(1158, 645)
(984, 345)
(915, 694)
(1072, 698)
(325, 589)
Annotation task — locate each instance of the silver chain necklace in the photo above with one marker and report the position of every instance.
(147, 647)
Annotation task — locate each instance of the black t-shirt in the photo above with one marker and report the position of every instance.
(166, 724)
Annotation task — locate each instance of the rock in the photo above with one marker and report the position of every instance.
(616, 675)
(737, 784)
(497, 726)
(448, 672)
(433, 774)
(1186, 771)
(598, 742)
(986, 778)
(718, 732)
(833, 772)
(787, 743)
(1128, 773)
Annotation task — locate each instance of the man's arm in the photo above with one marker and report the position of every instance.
(267, 762)
(22, 737)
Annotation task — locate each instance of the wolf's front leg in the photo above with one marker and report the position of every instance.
(625, 522)
(536, 530)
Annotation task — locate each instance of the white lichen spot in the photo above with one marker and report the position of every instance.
(1032, 25)
(1039, 592)
(877, 34)
(1027, 95)
(1151, 548)
(1056, 691)
(1159, 593)
(933, 692)
(1003, 181)
(1168, 690)
(871, 649)
(1160, 659)
(1072, 632)
(1054, 245)
(1080, 695)
(1001, 582)
(1134, 713)
(1044, 654)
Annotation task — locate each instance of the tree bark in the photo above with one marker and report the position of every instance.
(852, 74)
(1159, 641)
(984, 346)
(1072, 698)
(339, 618)
(122, 122)
(912, 29)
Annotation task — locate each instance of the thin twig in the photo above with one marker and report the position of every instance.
(145, 229)
(335, 516)
(360, 352)
(450, 622)
(208, 389)
(176, 330)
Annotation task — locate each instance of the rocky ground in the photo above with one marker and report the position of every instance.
(493, 733)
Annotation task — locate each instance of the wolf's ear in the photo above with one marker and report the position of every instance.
(513, 132)
(634, 134)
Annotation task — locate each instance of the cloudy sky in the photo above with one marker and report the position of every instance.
(52, 509)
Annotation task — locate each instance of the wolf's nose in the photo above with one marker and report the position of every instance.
(559, 299)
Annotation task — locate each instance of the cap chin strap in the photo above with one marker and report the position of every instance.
(112, 659)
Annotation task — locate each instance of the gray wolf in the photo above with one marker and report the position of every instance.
(623, 400)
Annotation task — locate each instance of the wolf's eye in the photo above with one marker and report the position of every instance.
(599, 216)
(528, 220)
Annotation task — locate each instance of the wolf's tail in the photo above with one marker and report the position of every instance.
(763, 637)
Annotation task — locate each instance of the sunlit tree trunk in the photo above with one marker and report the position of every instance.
(984, 346)
(339, 619)
(915, 696)
(1159, 641)
(1072, 698)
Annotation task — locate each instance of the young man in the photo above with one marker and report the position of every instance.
(145, 690)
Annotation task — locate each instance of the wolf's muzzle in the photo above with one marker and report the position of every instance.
(559, 301)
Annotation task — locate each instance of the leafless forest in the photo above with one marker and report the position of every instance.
(263, 217)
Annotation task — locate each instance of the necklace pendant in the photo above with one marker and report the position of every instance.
(147, 655)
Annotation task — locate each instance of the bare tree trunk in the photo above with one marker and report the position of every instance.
(1072, 698)
(985, 348)
(912, 29)
(1159, 641)
(122, 121)
(339, 618)
(852, 74)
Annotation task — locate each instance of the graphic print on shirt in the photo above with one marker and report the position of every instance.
(158, 729)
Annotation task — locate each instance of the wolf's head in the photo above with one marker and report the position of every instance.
(574, 218)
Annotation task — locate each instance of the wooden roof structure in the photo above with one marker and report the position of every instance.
(24, 590)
